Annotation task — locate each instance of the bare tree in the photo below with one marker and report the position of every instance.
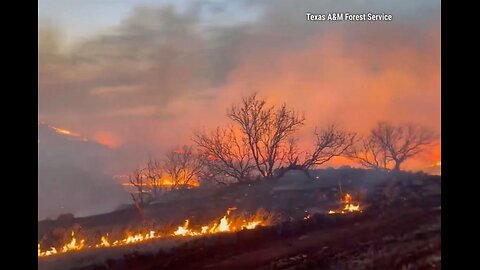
(291, 152)
(330, 142)
(140, 198)
(153, 175)
(266, 129)
(370, 154)
(388, 146)
(139, 181)
(225, 155)
(182, 166)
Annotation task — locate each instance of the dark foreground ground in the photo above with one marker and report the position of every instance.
(406, 237)
(398, 229)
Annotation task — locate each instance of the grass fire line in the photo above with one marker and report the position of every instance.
(223, 225)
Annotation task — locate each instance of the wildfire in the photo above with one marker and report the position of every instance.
(349, 206)
(41, 253)
(63, 131)
(225, 224)
(183, 230)
(70, 246)
(73, 245)
(166, 183)
(104, 242)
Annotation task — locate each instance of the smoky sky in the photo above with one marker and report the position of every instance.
(73, 176)
(142, 86)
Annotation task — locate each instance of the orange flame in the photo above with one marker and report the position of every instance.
(436, 164)
(167, 182)
(349, 206)
(225, 224)
(73, 245)
(63, 131)
(347, 198)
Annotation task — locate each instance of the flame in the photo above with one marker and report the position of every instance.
(251, 225)
(103, 242)
(349, 206)
(73, 244)
(225, 224)
(167, 182)
(63, 131)
(347, 198)
(436, 164)
(183, 230)
(50, 252)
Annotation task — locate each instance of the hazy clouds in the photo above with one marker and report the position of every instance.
(74, 177)
(145, 83)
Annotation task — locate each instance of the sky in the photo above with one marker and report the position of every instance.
(138, 77)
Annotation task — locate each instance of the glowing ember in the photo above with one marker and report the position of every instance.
(307, 215)
(225, 224)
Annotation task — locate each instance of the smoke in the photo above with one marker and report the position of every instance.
(73, 176)
(145, 84)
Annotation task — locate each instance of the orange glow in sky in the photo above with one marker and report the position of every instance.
(106, 138)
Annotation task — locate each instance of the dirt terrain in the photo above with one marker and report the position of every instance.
(399, 227)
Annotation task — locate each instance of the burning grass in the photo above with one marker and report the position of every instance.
(227, 223)
(349, 206)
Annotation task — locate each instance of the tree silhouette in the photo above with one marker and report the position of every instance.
(182, 166)
(224, 155)
(388, 146)
(266, 130)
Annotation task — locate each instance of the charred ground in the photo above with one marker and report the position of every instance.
(399, 227)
